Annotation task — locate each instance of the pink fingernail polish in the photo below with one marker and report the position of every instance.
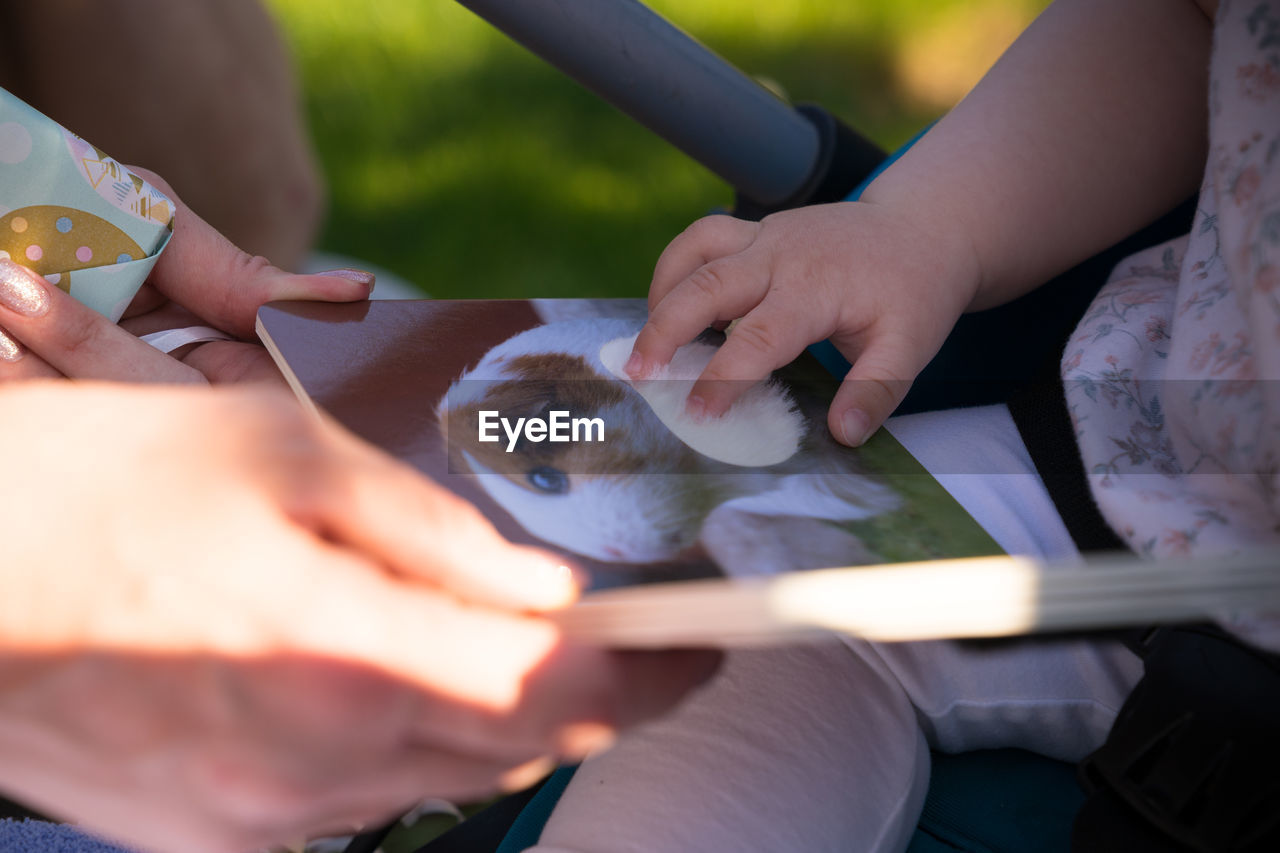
(10, 350)
(696, 408)
(21, 290)
(358, 276)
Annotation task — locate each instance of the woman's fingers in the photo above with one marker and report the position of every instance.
(46, 333)
(17, 363)
(203, 271)
(62, 336)
(272, 652)
(422, 531)
(225, 362)
(495, 685)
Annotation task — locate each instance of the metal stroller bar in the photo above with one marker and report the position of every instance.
(775, 156)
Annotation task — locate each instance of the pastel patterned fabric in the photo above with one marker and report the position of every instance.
(1173, 376)
(73, 214)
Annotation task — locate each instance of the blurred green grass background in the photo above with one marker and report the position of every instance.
(458, 160)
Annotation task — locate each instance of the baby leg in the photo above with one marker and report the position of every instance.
(809, 748)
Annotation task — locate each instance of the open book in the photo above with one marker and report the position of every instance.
(516, 406)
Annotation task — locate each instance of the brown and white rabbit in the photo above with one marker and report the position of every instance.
(642, 495)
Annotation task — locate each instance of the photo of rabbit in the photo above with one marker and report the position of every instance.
(653, 498)
(642, 495)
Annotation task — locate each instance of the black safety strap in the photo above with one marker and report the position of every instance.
(1039, 410)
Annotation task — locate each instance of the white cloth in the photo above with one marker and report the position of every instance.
(825, 747)
(172, 339)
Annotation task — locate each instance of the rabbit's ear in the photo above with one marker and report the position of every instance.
(762, 428)
(743, 543)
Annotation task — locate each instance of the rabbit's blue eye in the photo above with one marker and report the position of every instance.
(553, 481)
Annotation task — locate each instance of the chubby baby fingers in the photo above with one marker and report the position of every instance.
(877, 382)
(702, 242)
(765, 339)
(56, 335)
(719, 291)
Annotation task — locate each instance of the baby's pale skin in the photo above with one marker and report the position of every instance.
(1090, 126)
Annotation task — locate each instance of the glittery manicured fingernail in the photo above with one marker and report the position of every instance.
(21, 290)
(10, 350)
(358, 276)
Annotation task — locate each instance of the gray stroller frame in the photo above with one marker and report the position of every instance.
(774, 156)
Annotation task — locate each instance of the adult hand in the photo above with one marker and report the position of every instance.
(245, 626)
(199, 279)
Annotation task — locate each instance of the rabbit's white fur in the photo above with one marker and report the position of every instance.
(643, 496)
(762, 428)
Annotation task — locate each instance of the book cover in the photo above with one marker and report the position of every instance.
(628, 499)
(755, 528)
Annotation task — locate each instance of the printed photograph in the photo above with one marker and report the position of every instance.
(521, 406)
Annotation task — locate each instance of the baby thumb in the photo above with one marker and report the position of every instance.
(870, 392)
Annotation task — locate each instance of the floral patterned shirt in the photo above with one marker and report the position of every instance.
(1173, 376)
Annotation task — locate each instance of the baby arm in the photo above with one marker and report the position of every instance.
(1090, 126)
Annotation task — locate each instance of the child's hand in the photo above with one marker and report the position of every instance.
(885, 287)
